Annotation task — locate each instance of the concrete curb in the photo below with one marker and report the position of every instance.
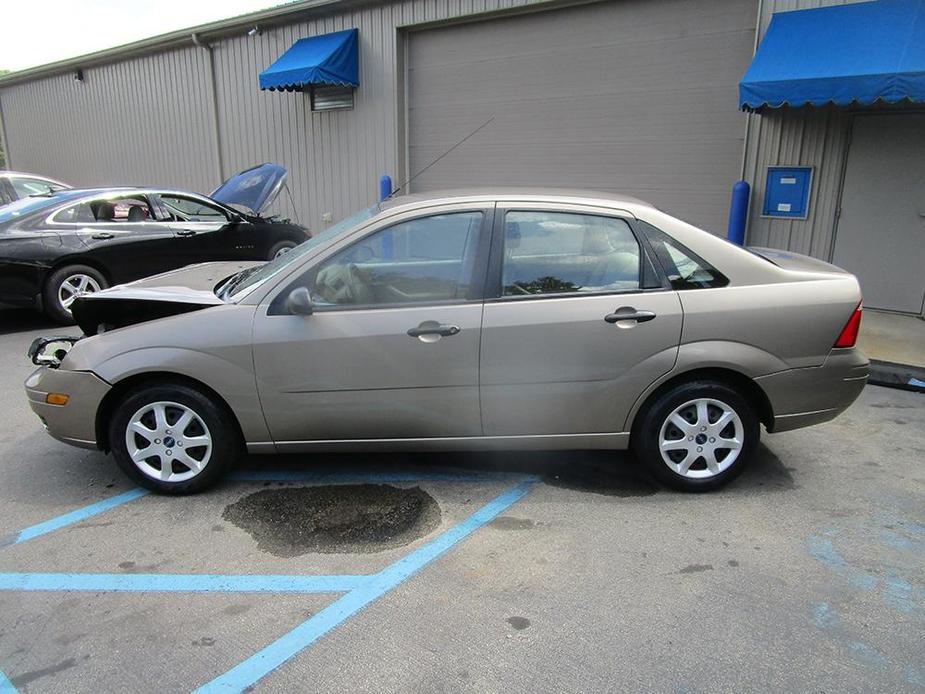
(905, 376)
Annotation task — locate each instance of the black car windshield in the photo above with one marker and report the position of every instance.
(274, 267)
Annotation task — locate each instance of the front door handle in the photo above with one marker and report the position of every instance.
(629, 313)
(432, 328)
(102, 236)
(186, 232)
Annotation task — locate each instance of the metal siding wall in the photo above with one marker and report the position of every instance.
(140, 121)
(147, 119)
(334, 158)
(634, 96)
(816, 137)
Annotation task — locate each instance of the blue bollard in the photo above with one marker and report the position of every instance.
(738, 212)
(385, 187)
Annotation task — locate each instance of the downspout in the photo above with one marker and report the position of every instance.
(749, 114)
(4, 141)
(213, 98)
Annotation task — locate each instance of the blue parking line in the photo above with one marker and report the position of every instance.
(179, 583)
(271, 657)
(6, 687)
(372, 477)
(72, 517)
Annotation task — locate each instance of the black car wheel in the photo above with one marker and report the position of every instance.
(281, 248)
(173, 439)
(697, 436)
(65, 285)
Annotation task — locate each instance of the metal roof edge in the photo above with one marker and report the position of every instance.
(211, 30)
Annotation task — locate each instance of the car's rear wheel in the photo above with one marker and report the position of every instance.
(173, 439)
(697, 436)
(281, 248)
(65, 285)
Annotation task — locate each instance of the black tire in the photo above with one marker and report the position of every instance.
(214, 421)
(51, 295)
(647, 436)
(281, 246)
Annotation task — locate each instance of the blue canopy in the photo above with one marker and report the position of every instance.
(864, 52)
(331, 59)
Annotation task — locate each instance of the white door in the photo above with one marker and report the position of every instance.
(881, 230)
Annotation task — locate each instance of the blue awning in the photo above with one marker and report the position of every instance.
(858, 53)
(331, 59)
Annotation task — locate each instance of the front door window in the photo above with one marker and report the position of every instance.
(425, 260)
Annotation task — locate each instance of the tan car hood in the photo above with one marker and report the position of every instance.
(179, 291)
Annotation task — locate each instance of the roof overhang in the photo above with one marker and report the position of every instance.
(846, 54)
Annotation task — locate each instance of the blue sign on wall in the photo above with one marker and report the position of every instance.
(787, 192)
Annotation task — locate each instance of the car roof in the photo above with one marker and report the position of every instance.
(521, 194)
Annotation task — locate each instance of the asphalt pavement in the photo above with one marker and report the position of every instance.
(496, 572)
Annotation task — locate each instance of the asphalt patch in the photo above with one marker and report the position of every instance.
(334, 519)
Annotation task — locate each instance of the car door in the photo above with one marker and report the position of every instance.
(577, 322)
(391, 349)
(129, 245)
(204, 231)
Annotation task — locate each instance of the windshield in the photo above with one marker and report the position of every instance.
(262, 273)
(21, 208)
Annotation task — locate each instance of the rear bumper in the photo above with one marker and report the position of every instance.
(74, 423)
(802, 397)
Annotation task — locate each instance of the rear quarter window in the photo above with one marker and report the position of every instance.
(684, 268)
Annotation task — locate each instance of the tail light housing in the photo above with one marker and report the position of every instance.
(849, 334)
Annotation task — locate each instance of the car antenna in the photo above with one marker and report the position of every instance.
(407, 182)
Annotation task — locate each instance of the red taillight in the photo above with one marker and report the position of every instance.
(849, 334)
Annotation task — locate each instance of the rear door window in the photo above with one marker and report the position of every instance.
(564, 252)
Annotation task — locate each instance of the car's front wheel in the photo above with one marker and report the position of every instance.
(697, 436)
(65, 285)
(173, 439)
(281, 248)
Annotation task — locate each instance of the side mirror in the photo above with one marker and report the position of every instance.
(299, 302)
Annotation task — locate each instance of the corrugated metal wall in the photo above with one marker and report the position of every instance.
(148, 120)
(140, 121)
(816, 137)
(636, 97)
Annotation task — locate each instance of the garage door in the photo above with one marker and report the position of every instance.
(636, 97)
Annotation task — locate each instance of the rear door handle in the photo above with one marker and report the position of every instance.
(629, 313)
(186, 232)
(103, 236)
(433, 328)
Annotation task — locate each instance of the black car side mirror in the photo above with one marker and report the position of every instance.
(299, 302)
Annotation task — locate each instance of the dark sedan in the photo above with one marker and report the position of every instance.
(58, 246)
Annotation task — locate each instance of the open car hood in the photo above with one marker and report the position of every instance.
(171, 293)
(254, 189)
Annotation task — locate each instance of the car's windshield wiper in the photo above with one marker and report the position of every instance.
(236, 279)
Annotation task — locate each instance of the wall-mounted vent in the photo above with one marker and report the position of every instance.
(328, 98)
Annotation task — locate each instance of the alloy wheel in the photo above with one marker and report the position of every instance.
(76, 286)
(702, 438)
(168, 441)
(282, 251)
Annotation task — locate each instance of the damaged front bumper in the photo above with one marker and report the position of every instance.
(75, 421)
